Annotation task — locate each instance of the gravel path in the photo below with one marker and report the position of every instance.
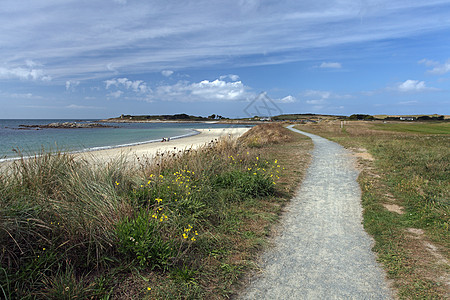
(322, 251)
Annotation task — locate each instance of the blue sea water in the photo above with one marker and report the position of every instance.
(28, 142)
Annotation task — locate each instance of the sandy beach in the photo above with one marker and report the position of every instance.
(149, 150)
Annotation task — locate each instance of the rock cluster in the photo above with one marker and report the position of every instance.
(67, 125)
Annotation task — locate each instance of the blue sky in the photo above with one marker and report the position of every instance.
(98, 59)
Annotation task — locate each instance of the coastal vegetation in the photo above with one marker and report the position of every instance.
(298, 118)
(179, 226)
(175, 117)
(405, 175)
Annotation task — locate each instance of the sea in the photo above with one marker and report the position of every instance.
(15, 141)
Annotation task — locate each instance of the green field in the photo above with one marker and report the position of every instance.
(420, 128)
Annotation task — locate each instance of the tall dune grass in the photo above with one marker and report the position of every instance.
(66, 223)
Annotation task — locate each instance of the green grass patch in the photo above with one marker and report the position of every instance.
(420, 128)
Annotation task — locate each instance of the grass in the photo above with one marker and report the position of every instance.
(180, 226)
(411, 170)
(420, 128)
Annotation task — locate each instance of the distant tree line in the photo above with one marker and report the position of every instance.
(361, 117)
(183, 117)
(215, 117)
(391, 118)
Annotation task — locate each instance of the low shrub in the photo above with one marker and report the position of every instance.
(141, 239)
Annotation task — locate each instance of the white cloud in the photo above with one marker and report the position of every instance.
(232, 77)
(137, 86)
(115, 94)
(438, 68)
(71, 84)
(412, 86)
(22, 96)
(23, 73)
(166, 73)
(31, 64)
(205, 90)
(110, 67)
(216, 90)
(287, 99)
(407, 86)
(330, 65)
(316, 98)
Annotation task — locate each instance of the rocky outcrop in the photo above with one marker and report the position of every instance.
(65, 125)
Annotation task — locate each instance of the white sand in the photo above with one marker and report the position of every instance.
(149, 150)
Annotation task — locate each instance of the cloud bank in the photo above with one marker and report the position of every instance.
(149, 36)
(138, 86)
(184, 91)
(438, 68)
(24, 73)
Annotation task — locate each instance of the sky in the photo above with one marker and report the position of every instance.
(96, 59)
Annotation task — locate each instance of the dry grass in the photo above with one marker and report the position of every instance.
(266, 134)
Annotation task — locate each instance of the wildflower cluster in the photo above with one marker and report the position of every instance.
(183, 182)
(266, 169)
(258, 166)
(158, 213)
(189, 234)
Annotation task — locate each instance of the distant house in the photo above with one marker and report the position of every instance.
(265, 119)
(407, 118)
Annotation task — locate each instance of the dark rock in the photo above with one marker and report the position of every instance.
(66, 125)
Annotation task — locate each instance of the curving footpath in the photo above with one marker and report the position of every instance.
(322, 251)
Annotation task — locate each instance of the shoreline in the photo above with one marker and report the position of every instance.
(192, 132)
(151, 149)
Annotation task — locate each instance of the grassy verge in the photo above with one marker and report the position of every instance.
(420, 128)
(177, 227)
(405, 183)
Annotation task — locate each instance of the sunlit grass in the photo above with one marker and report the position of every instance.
(421, 128)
